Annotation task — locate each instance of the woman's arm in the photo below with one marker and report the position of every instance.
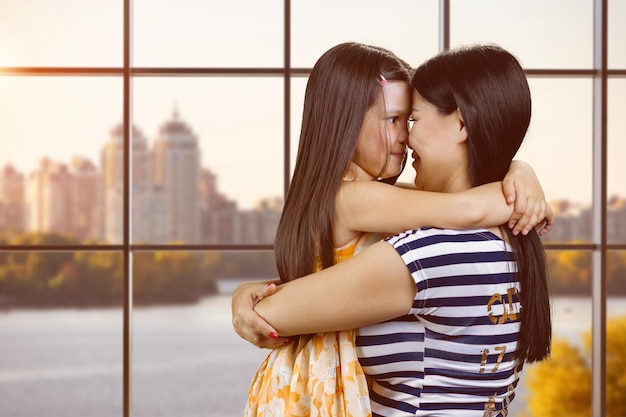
(246, 321)
(369, 288)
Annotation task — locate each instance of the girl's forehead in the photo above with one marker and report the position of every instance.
(397, 93)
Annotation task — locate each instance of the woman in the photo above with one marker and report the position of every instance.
(466, 309)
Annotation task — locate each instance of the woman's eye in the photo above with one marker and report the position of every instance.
(392, 119)
(410, 121)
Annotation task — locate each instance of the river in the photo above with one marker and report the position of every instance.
(187, 360)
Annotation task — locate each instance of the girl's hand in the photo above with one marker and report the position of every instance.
(522, 188)
(246, 322)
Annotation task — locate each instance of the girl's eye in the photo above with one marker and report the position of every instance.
(392, 119)
(410, 121)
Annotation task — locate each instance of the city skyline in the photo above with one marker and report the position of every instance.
(174, 198)
(266, 178)
(240, 119)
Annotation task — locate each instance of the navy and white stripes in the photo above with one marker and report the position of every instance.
(452, 355)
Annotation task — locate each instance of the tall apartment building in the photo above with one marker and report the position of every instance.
(214, 209)
(616, 220)
(12, 207)
(575, 223)
(146, 198)
(86, 199)
(177, 173)
(49, 198)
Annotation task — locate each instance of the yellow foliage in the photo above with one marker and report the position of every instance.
(561, 385)
(615, 366)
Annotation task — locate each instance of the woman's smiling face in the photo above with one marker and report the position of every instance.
(438, 146)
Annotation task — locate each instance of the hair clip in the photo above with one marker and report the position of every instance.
(383, 80)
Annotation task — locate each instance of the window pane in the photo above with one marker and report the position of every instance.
(558, 146)
(217, 159)
(55, 130)
(199, 33)
(298, 88)
(616, 187)
(58, 360)
(617, 34)
(542, 34)
(563, 382)
(407, 27)
(63, 33)
(187, 357)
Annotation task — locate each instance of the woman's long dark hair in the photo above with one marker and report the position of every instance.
(488, 86)
(343, 85)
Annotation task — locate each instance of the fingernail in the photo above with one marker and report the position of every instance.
(286, 342)
(268, 284)
(510, 199)
(273, 335)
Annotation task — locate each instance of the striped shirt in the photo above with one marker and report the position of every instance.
(452, 355)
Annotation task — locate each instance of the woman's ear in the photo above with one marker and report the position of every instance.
(462, 128)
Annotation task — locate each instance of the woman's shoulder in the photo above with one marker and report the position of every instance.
(429, 238)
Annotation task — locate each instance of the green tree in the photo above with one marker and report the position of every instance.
(167, 277)
(96, 279)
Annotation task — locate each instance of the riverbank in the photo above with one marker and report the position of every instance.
(187, 361)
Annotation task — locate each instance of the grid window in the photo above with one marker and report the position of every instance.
(147, 147)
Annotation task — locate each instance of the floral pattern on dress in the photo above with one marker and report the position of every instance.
(315, 375)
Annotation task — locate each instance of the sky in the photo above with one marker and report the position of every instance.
(239, 121)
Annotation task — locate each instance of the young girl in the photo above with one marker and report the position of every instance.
(355, 133)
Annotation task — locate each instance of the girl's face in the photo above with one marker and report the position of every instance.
(384, 134)
(439, 147)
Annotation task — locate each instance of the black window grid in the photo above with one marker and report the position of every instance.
(599, 246)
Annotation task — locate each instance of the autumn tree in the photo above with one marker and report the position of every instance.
(561, 385)
(570, 272)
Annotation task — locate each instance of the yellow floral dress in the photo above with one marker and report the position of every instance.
(315, 375)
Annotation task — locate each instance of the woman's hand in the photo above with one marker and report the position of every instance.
(522, 188)
(246, 322)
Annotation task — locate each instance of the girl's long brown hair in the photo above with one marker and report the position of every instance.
(343, 85)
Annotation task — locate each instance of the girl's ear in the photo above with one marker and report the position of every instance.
(462, 128)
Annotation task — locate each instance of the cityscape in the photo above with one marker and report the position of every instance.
(174, 198)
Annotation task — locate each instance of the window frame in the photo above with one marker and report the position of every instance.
(599, 246)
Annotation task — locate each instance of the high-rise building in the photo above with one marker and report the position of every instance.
(216, 211)
(112, 161)
(49, 198)
(12, 208)
(85, 199)
(245, 227)
(177, 173)
(616, 220)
